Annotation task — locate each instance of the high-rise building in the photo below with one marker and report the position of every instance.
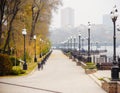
(107, 21)
(67, 17)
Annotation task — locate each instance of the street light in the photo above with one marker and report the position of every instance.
(115, 68)
(71, 42)
(82, 43)
(89, 56)
(35, 58)
(41, 47)
(105, 46)
(74, 42)
(24, 34)
(65, 47)
(68, 43)
(96, 45)
(79, 42)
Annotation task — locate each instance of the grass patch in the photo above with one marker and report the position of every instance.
(68, 54)
(90, 65)
(31, 67)
(17, 70)
(101, 79)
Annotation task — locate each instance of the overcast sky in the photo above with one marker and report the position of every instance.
(86, 10)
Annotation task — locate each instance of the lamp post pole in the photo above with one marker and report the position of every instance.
(68, 44)
(35, 58)
(82, 43)
(114, 42)
(89, 58)
(74, 42)
(115, 68)
(96, 45)
(64, 45)
(71, 43)
(25, 64)
(105, 46)
(40, 47)
(79, 42)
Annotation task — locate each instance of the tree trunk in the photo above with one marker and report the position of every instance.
(9, 32)
(2, 9)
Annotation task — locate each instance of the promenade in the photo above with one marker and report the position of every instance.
(59, 75)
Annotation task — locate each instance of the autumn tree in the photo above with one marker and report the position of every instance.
(2, 12)
(8, 12)
(34, 15)
(41, 12)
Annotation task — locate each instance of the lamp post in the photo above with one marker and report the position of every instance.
(115, 68)
(82, 43)
(79, 42)
(68, 44)
(35, 58)
(105, 46)
(74, 42)
(40, 47)
(25, 64)
(71, 43)
(64, 45)
(96, 45)
(89, 56)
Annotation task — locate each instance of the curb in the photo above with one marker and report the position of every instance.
(93, 77)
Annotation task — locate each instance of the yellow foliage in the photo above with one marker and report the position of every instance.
(22, 20)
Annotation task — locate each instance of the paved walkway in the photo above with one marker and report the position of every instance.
(99, 75)
(60, 75)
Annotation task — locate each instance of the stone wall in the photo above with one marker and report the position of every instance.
(90, 71)
(110, 86)
(118, 87)
(83, 65)
(78, 63)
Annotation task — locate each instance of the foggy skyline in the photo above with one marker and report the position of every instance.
(67, 17)
(85, 11)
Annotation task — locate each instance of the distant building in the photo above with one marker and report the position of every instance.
(107, 21)
(67, 17)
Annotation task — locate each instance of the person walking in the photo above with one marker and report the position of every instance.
(39, 66)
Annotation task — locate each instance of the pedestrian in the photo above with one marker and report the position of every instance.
(39, 66)
(98, 66)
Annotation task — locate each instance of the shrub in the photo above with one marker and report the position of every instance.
(101, 79)
(15, 61)
(68, 54)
(5, 64)
(90, 65)
(16, 70)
